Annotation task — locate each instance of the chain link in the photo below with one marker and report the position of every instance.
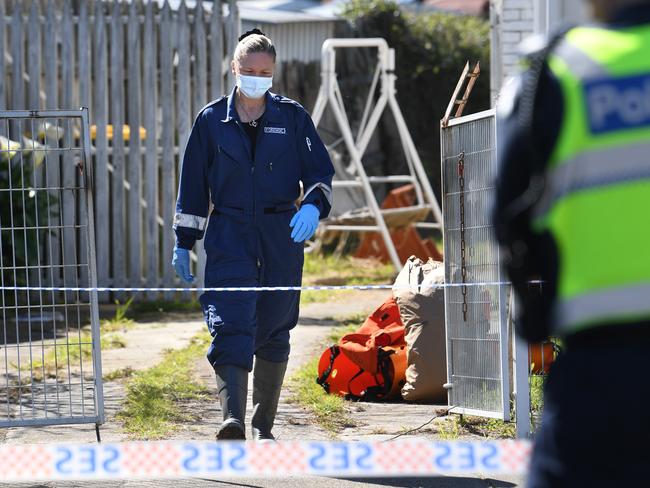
(463, 247)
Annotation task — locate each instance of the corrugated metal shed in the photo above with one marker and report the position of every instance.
(298, 28)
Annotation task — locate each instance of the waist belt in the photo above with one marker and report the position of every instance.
(236, 211)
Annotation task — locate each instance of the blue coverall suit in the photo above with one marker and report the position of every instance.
(248, 241)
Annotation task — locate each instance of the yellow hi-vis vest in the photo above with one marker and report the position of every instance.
(596, 201)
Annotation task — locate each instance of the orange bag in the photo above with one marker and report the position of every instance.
(369, 363)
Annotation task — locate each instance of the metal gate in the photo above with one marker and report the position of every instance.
(476, 304)
(50, 344)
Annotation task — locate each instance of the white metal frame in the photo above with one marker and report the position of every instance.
(503, 300)
(49, 411)
(330, 94)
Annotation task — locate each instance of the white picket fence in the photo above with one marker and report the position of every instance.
(135, 64)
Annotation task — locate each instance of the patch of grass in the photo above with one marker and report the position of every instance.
(449, 428)
(164, 306)
(327, 270)
(119, 321)
(154, 398)
(77, 350)
(330, 270)
(456, 425)
(330, 411)
(119, 374)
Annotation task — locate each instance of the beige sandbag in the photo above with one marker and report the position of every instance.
(422, 309)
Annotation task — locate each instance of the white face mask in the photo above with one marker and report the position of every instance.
(254, 86)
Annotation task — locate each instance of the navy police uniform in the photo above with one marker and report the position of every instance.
(253, 187)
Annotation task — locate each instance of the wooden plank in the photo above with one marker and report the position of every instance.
(134, 214)
(168, 173)
(150, 80)
(52, 177)
(3, 88)
(83, 50)
(50, 53)
(117, 120)
(101, 183)
(183, 100)
(200, 77)
(68, 169)
(216, 50)
(200, 99)
(232, 34)
(18, 56)
(34, 58)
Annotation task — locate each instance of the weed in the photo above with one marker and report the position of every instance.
(330, 411)
(119, 374)
(154, 397)
(449, 428)
(119, 321)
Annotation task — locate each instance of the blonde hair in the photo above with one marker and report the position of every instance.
(254, 43)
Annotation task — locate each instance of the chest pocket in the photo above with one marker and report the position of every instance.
(280, 171)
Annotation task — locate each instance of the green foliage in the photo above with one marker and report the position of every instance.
(154, 401)
(119, 321)
(329, 411)
(23, 207)
(330, 270)
(164, 306)
(431, 50)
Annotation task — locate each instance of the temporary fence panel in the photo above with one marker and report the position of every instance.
(476, 302)
(50, 346)
(144, 69)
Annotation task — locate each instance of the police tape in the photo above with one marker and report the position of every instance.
(188, 459)
(100, 289)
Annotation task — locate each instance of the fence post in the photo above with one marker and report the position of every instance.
(168, 173)
(117, 120)
(135, 158)
(3, 29)
(100, 85)
(34, 57)
(83, 49)
(216, 49)
(151, 155)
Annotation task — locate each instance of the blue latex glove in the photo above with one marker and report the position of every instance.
(304, 223)
(181, 263)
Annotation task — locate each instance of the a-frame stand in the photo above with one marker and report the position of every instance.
(330, 94)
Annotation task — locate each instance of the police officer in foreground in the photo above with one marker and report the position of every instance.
(247, 155)
(573, 209)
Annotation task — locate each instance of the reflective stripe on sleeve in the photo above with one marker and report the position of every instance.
(326, 189)
(189, 221)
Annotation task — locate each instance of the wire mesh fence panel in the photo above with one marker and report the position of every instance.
(49, 343)
(476, 306)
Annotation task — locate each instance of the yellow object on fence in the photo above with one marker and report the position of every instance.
(8, 148)
(126, 132)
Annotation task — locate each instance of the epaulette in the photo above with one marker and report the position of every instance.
(289, 101)
(212, 103)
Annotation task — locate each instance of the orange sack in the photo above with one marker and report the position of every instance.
(369, 363)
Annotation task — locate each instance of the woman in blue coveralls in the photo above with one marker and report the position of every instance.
(247, 155)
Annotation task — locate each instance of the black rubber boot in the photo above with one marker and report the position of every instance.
(267, 384)
(232, 382)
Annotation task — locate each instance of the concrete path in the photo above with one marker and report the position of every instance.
(147, 342)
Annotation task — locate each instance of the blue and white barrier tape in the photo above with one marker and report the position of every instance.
(183, 459)
(253, 288)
